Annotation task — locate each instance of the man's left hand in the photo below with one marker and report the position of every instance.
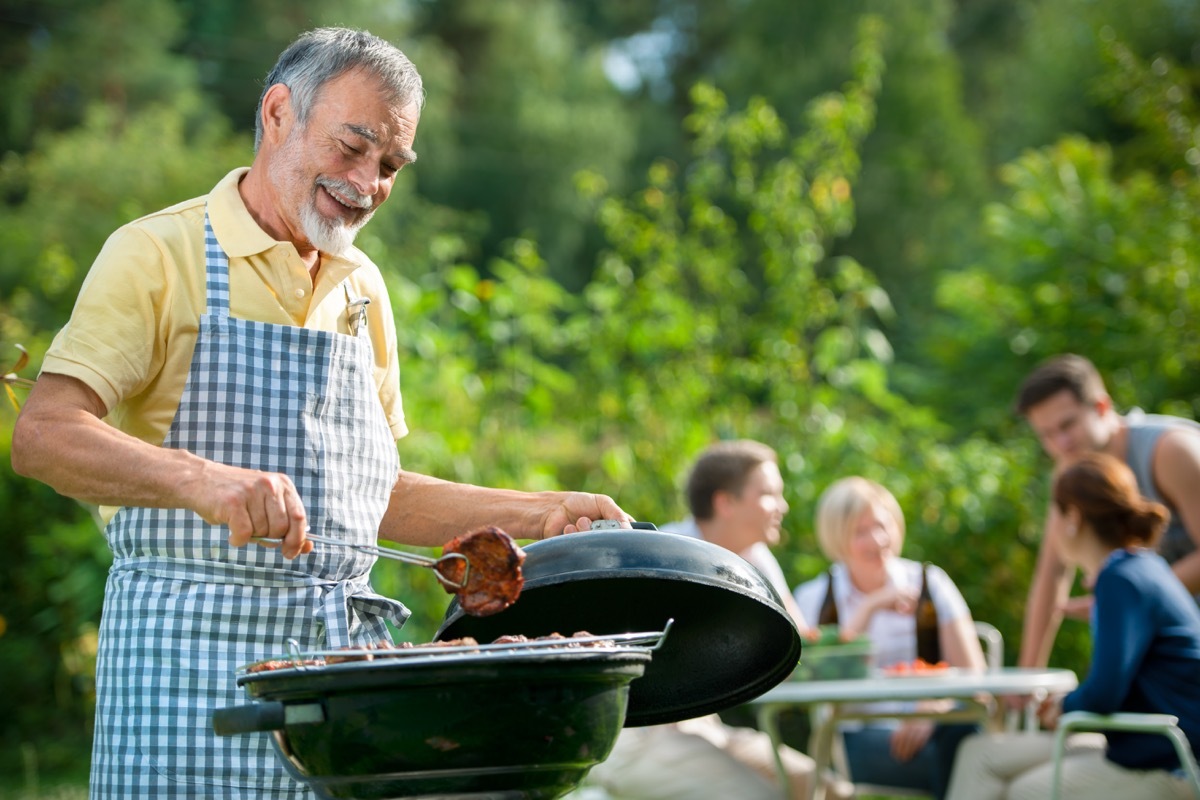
(575, 511)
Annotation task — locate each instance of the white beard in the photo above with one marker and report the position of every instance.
(331, 236)
(328, 236)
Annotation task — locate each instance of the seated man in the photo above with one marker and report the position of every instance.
(735, 495)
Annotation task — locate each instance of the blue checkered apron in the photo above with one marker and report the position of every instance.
(183, 609)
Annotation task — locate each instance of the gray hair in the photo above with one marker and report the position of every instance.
(323, 54)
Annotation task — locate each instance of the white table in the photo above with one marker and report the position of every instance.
(954, 684)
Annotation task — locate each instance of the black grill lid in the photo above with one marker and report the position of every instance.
(731, 639)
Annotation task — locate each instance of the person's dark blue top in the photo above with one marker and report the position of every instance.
(1145, 656)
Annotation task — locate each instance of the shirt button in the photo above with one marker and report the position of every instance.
(299, 294)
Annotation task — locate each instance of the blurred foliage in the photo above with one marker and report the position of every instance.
(761, 232)
(1082, 254)
(504, 149)
(923, 172)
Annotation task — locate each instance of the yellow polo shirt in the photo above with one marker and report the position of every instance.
(132, 332)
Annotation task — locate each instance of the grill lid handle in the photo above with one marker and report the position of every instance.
(612, 524)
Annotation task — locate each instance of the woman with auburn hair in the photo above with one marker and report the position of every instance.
(1145, 656)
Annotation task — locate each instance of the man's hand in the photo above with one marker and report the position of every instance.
(254, 505)
(62, 440)
(575, 511)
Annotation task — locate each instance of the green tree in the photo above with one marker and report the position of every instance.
(922, 175)
(1084, 257)
(522, 106)
(694, 325)
(1035, 87)
(59, 58)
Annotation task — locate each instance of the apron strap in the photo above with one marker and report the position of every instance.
(216, 273)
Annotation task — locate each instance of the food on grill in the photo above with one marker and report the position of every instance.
(519, 638)
(493, 580)
(356, 652)
(568, 641)
(466, 641)
(283, 663)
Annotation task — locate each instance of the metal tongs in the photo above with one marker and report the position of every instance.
(398, 555)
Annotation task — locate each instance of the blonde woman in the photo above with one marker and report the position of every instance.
(860, 528)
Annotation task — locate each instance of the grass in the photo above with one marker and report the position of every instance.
(52, 769)
(59, 791)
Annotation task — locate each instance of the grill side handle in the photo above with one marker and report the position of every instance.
(265, 716)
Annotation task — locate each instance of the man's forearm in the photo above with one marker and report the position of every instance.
(1042, 620)
(1042, 609)
(61, 440)
(1188, 570)
(428, 511)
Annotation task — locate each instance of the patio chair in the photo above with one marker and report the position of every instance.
(993, 644)
(1164, 724)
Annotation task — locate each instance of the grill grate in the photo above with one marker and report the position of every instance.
(601, 644)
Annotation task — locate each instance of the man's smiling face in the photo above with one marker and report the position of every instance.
(1067, 427)
(331, 173)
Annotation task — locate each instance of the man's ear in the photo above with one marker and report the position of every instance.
(720, 502)
(1103, 405)
(277, 116)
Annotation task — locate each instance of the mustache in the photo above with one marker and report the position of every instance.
(346, 194)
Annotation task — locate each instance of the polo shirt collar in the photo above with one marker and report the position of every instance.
(240, 237)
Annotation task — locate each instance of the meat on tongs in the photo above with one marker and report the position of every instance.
(492, 566)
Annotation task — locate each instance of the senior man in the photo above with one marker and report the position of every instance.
(230, 371)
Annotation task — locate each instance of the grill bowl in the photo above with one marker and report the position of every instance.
(492, 725)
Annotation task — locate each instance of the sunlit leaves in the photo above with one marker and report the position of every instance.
(9, 378)
(1080, 255)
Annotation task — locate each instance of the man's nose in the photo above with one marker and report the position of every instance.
(365, 180)
(1064, 442)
